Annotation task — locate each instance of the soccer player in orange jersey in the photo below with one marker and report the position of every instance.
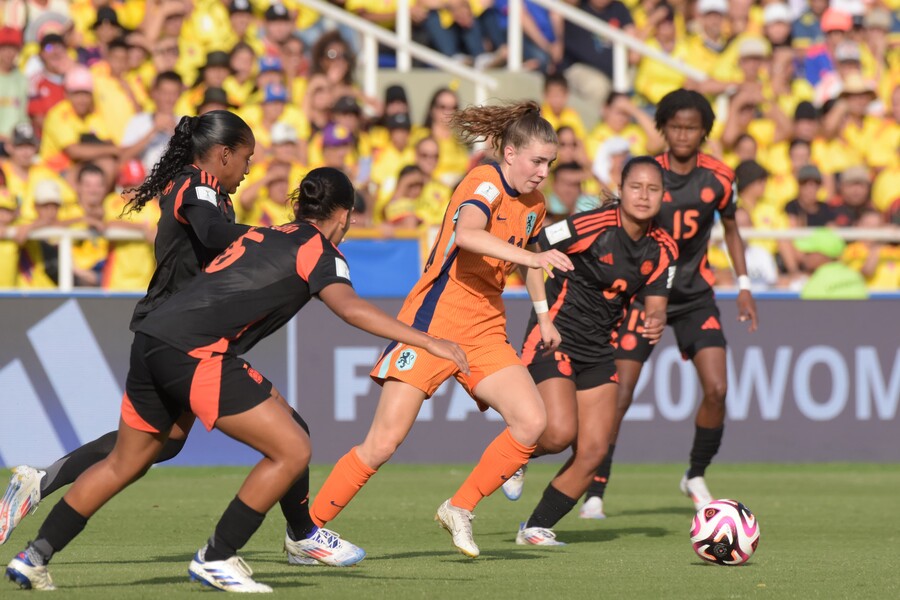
(494, 214)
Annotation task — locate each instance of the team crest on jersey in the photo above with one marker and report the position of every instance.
(647, 267)
(406, 360)
(530, 220)
(488, 191)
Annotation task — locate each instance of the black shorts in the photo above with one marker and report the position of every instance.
(164, 382)
(586, 375)
(697, 325)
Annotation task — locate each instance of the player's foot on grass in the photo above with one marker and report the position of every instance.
(695, 489)
(458, 521)
(20, 500)
(512, 487)
(592, 508)
(230, 575)
(536, 536)
(23, 572)
(323, 547)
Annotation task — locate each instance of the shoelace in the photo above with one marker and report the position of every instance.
(328, 537)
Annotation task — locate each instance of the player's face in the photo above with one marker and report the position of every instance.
(529, 165)
(642, 193)
(236, 167)
(684, 133)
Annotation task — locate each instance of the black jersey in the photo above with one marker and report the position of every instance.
(262, 280)
(180, 251)
(688, 214)
(610, 268)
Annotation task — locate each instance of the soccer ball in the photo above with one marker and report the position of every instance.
(725, 532)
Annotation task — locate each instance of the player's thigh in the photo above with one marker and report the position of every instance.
(264, 428)
(512, 393)
(555, 379)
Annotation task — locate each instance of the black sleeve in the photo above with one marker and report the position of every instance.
(211, 228)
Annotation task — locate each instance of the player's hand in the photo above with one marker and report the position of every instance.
(549, 260)
(549, 337)
(747, 309)
(653, 329)
(450, 351)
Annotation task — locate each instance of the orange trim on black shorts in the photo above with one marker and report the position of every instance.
(207, 382)
(133, 419)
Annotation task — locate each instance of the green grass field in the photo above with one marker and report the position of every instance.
(828, 531)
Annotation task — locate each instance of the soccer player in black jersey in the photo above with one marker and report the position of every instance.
(617, 251)
(205, 161)
(186, 358)
(697, 187)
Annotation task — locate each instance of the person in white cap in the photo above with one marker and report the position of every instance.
(707, 47)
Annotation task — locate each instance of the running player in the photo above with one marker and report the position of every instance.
(618, 251)
(205, 161)
(697, 188)
(181, 365)
(494, 213)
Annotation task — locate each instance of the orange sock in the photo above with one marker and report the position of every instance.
(346, 478)
(500, 460)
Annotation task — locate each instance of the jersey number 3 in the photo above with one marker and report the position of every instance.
(234, 251)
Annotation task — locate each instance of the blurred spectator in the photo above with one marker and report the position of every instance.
(273, 108)
(436, 195)
(454, 156)
(829, 279)
(89, 255)
(244, 28)
(806, 30)
(623, 119)
(278, 26)
(542, 37)
(333, 58)
(271, 72)
(389, 159)
(886, 190)
(129, 265)
(45, 86)
(609, 160)
(849, 121)
(9, 249)
(707, 45)
(241, 83)
(806, 210)
(752, 179)
(454, 31)
(567, 195)
(853, 197)
(571, 149)
(878, 262)
(39, 259)
(820, 61)
(106, 28)
(555, 108)
(761, 265)
(213, 75)
(395, 102)
(13, 85)
(255, 203)
(588, 58)
(68, 120)
(111, 90)
(401, 209)
(654, 79)
(148, 133)
(296, 67)
(213, 99)
(317, 103)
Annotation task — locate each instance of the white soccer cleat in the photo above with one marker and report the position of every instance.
(27, 575)
(512, 487)
(695, 489)
(324, 547)
(458, 521)
(592, 508)
(230, 575)
(537, 536)
(20, 500)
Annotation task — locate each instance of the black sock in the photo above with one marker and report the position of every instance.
(60, 527)
(69, 467)
(238, 523)
(295, 502)
(554, 505)
(706, 444)
(601, 477)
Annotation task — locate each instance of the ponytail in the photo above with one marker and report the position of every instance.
(515, 124)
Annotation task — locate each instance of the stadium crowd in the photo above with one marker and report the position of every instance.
(807, 96)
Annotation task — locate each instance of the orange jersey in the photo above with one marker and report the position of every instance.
(459, 294)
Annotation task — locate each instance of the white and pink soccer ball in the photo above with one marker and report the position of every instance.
(725, 532)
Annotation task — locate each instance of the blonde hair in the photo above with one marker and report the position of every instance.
(514, 124)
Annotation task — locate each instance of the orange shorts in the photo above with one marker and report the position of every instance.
(427, 372)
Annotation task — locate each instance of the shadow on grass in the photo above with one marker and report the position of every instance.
(451, 556)
(659, 510)
(581, 536)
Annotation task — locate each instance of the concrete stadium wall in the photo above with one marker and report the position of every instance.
(820, 381)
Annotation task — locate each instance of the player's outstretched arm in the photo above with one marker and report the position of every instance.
(534, 283)
(745, 301)
(472, 236)
(343, 301)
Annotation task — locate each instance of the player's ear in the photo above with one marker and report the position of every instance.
(225, 154)
(509, 153)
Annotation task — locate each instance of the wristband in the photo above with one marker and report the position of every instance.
(744, 283)
(541, 307)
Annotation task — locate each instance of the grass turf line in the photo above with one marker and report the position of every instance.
(828, 531)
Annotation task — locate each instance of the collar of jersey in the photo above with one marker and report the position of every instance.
(509, 190)
(207, 179)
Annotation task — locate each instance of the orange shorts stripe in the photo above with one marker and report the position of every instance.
(206, 389)
(133, 419)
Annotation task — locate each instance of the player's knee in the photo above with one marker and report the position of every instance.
(529, 428)
(715, 392)
(377, 452)
(557, 437)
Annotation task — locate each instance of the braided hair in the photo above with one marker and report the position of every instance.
(193, 139)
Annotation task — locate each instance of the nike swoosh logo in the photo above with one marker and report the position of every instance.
(333, 503)
(504, 478)
(499, 218)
